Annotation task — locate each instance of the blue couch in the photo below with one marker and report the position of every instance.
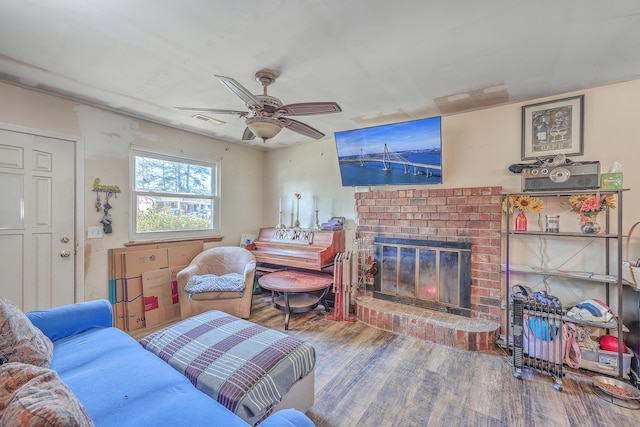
(121, 384)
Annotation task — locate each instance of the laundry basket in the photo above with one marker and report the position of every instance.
(630, 272)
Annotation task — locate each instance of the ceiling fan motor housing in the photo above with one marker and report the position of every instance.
(270, 103)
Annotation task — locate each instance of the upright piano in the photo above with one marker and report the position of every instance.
(297, 248)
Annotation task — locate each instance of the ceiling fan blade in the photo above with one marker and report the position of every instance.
(242, 92)
(211, 110)
(308, 108)
(300, 127)
(247, 135)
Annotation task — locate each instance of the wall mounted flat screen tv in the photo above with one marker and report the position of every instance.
(406, 153)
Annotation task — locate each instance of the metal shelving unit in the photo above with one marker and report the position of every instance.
(611, 236)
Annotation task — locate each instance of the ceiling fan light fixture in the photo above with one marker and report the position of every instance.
(264, 127)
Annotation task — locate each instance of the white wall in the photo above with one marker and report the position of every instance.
(478, 148)
(310, 169)
(105, 138)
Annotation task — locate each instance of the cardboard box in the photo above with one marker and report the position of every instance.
(605, 362)
(175, 297)
(135, 264)
(116, 289)
(611, 181)
(126, 267)
(120, 315)
(133, 304)
(182, 255)
(158, 300)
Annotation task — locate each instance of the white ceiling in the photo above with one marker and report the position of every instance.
(382, 61)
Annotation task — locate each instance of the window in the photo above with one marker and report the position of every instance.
(173, 196)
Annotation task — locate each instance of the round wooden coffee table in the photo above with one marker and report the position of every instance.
(294, 287)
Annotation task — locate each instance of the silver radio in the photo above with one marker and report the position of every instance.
(573, 176)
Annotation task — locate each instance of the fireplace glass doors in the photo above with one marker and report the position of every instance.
(428, 273)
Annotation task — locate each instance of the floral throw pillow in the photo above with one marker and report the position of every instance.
(20, 341)
(32, 396)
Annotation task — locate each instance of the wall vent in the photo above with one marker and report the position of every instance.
(208, 119)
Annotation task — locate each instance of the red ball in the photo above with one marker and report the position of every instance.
(610, 343)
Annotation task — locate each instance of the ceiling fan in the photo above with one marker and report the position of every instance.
(267, 115)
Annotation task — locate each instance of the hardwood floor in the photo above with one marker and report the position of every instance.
(369, 377)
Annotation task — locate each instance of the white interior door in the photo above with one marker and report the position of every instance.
(37, 214)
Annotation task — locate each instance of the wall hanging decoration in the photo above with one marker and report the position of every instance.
(551, 128)
(109, 191)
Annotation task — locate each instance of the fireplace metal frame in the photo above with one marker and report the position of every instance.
(464, 273)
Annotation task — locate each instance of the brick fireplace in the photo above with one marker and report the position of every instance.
(472, 215)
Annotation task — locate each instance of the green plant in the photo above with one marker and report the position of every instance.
(165, 220)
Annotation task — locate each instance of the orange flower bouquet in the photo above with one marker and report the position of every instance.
(588, 206)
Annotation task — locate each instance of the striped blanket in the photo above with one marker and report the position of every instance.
(244, 366)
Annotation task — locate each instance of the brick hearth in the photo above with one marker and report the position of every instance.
(456, 214)
(473, 334)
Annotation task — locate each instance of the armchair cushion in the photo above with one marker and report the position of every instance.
(20, 341)
(231, 282)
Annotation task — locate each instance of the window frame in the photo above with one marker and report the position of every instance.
(214, 164)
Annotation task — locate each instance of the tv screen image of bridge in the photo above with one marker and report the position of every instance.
(391, 168)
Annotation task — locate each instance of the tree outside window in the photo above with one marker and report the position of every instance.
(173, 196)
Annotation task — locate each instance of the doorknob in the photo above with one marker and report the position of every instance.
(65, 254)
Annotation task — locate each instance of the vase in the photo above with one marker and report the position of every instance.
(521, 222)
(589, 225)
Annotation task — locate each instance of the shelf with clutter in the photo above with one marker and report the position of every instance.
(553, 245)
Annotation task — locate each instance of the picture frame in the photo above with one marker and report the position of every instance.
(553, 127)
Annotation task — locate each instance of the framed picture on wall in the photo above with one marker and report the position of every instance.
(552, 128)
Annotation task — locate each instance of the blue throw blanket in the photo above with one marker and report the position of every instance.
(244, 366)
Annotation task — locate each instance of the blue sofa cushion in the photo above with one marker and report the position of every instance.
(68, 320)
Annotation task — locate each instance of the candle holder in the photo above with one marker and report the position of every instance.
(280, 224)
(317, 226)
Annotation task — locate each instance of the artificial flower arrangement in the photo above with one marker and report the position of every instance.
(590, 205)
(523, 204)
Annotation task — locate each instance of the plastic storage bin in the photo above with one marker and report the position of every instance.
(605, 362)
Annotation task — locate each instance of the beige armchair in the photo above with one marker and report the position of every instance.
(218, 261)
